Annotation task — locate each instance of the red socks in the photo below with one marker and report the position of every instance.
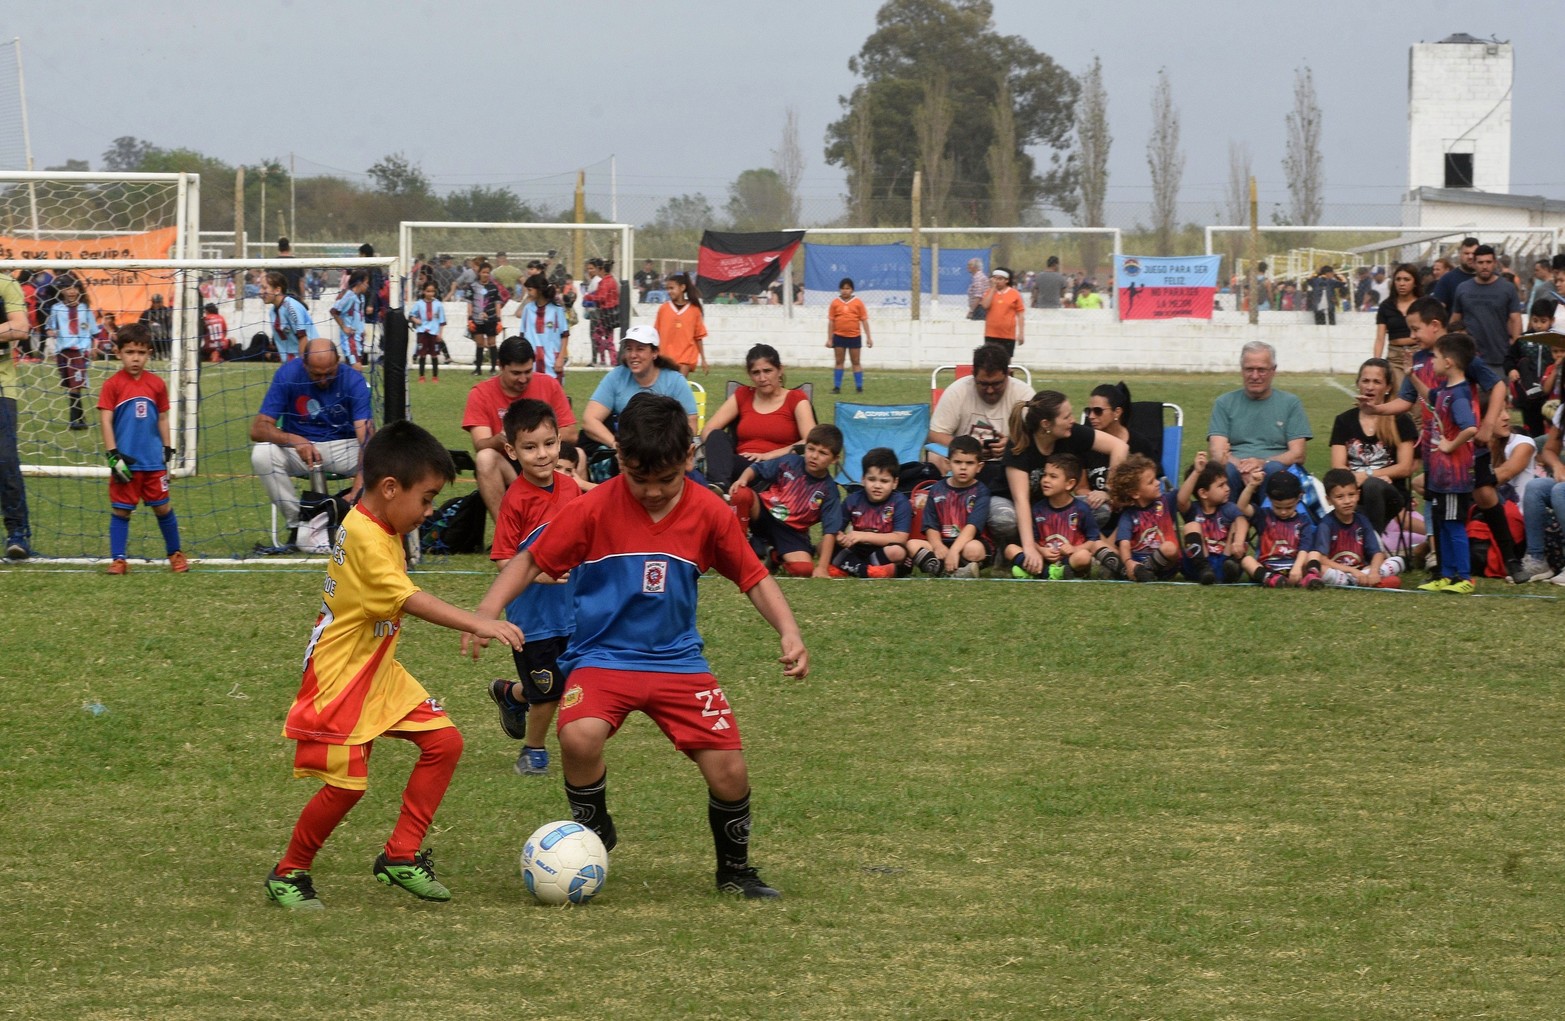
(439, 751)
(315, 824)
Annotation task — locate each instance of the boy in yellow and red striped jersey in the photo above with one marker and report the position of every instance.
(354, 690)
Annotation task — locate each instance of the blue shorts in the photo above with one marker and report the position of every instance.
(766, 531)
(851, 343)
(1187, 566)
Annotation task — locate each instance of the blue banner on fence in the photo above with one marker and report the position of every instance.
(883, 269)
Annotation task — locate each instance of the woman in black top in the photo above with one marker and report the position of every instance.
(1039, 428)
(1393, 340)
(1378, 449)
(1107, 410)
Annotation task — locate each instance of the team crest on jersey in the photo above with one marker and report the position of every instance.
(543, 680)
(572, 697)
(654, 576)
(141, 409)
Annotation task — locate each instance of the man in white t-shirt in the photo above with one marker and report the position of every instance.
(980, 406)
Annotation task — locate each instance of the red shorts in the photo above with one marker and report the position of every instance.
(689, 708)
(150, 488)
(73, 368)
(348, 765)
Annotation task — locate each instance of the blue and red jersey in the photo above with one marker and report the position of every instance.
(794, 497)
(1353, 544)
(541, 611)
(636, 578)
(893, 514)
(1451, 410)
(1057, 527)
(1216, 525)
(1280, 539)
(137, 402)
(1147, 527)
(1480, 378)
(948, 510)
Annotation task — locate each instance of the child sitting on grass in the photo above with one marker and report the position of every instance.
(956, 512)
(1147, 539)
(796, 492)
(1347, 550)
(1214, 531)
(1064, 527)
(878, 521)
(1283, 535)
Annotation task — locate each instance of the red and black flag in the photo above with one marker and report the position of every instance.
(743, 263)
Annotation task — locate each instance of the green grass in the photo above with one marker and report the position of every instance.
(988, 800)
(223, 511)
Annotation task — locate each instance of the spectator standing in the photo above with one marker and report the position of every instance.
(14, 329)
(544, 325)
(293, 277)
(1393, 338)
(1488, 309)
(603, 309)
(505, 274)
(847, 330)
(291, 323)
(72, 326)
(646, 280)
(977, 284)
(1446, 283)
(1005, 314)
(681, 326)
(1325, 289)
(1048, 287)
(159, 319)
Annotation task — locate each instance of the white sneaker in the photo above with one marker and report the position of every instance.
(1559, 579)
(1536, 569)
(971, 571)
(1392, 566)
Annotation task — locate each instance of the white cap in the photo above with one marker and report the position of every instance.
(642, 334)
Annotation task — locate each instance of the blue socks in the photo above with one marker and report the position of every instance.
(858, 381)
(836, 378)
(168, 524)
(119, 536)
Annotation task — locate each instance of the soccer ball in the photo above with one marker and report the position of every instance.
(564, 863)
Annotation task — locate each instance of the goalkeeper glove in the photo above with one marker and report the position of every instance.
(168, 456)
(119, 467)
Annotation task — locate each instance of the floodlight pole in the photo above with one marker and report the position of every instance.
(1255, 254)
(27, 137)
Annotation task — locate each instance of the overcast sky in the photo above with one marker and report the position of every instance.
(688, 95)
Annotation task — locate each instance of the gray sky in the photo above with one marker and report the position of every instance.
(687, 96)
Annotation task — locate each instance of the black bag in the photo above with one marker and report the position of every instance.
(457, 526)
(911, 473)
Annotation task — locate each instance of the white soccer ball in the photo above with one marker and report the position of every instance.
(564, 863)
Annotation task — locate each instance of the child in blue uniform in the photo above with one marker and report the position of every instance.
(956, 513)
(1064, 527)
(1147, 539)
(796, 492)
(1283, 535)
(1214, 531)
(877, 523)
(1347, 549)
(636, 546)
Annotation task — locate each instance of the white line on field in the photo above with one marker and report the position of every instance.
(1333, 383)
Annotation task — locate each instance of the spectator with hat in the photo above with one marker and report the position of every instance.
(1004, 312)
(641, 369)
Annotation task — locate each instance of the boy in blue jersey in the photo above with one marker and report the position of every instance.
(877, 521)
(1283, 535)
(1064, 527)
(348, 312)
(1347, 550)
(796, 492)
(1450, 424)
(636, 546)
(956, 513)
(1147, 540)
(1214, 532)
(72, 326)
(545, 612)
(133, 410)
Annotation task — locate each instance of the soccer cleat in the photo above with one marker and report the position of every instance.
(836, 389)
(1389, 581)
(293, 890)
(880, 571)
(833, 571)
(1438, 585)
(532, 762)
(1275, 579)
(178, 562)
(930, 564)
(1515, 573)
(1312, 580)
(78, 426)
(416, 877)
(969, 570)
(1017, 571)
(1232, 572)
(1536, 569)
(1460, 588)
(513, 715)
(16, 547)
(421, 379)
(745, 882)
(118, 567)
(1206, 576)
(1139, 572)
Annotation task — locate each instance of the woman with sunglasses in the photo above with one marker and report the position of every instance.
(1108, 411)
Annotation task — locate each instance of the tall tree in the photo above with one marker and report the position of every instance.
(861, 165)
(483, 204)
(1167, 163)
(788, 162)
(395, 174)
(685, 213)
(1092, 145)
(1303, 160)
(126, 154)
(758, 200)
(1005, 186)
(935, 115)
(1236, 200)
(912, 42)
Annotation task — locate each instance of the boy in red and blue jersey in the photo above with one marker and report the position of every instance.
(637, 546)
(1284, 535)
(545, 612)
(877, 521)
(133, 411)
(1449, 477)
(797, 492)
(1064, 527)
(1347, 549)
(955, 515)
(1214, 532)
(1147, 539)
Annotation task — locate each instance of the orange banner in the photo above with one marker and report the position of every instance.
(126, 293)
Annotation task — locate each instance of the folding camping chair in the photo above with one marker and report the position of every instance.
(936, 391)
(902, 427)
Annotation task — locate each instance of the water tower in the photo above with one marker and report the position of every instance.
(1459, 114)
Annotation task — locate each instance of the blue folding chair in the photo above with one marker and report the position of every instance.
(902, 427)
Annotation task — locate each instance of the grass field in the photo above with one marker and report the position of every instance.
(990, 799)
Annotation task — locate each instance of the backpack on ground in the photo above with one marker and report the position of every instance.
(457, 526)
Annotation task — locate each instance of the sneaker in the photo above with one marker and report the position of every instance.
(1312, 580)
(532, 762)
(833, 571)
(77, 426)
(1558, 579)
(880, 571)
(1536, 569)
(118, 567)
(293, 890)
(1018, 571)
(421, 379)
(719, 490)
(1275, 579)
(1389, 581)
(968, 570)
(836, 389)
(1460, 588)
(1515, 573)
(16, 548)
(1140, 573)
(416, 877)
(513, 715)
(178, 562)
(744, 882)
(1438, 585)
(1207, 576)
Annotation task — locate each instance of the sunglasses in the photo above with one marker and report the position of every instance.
(1098, 411)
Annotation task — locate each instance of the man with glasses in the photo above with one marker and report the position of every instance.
(1257, 428)
(980, 406)
(315, 416)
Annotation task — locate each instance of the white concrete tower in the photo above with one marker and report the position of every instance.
(1459, 114)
